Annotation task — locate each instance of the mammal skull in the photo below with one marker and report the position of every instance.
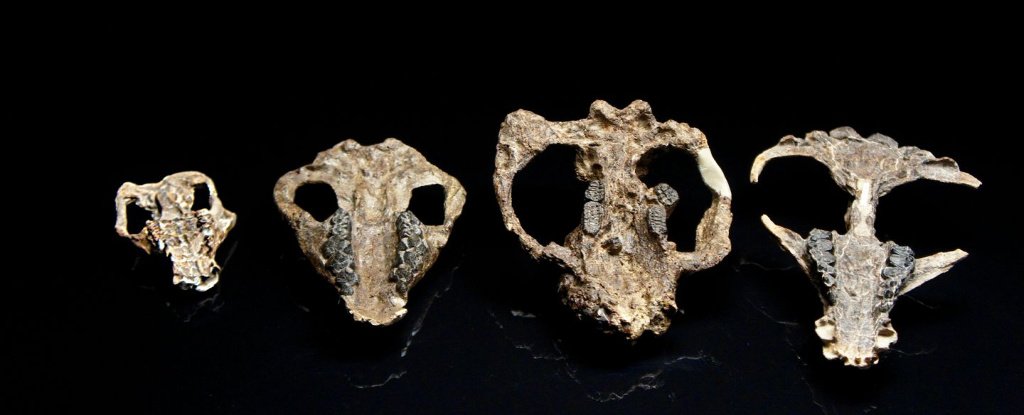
(858, 276)
(190, 237)
(372, 249)
(623, 269)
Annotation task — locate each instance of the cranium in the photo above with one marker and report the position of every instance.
(372, 249)
(190, 237)
(858, 276)
(623, 269)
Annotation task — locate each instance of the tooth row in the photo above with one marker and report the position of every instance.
(899, 266)
(820, 246)
(337, 249)
(411, 249)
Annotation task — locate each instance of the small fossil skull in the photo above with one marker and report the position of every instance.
(623, 269)
(858, 276)
(372, 249)
(190, 237)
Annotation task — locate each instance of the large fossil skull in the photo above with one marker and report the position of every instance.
(858, 276)
(190, 237)
(623, 269)
(372, 249)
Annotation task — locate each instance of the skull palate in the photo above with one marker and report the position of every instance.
(859, 277)
(622, 267)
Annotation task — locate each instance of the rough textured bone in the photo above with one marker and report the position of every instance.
(858, 276)
(372, 249)
(623, 269)
(190, 237)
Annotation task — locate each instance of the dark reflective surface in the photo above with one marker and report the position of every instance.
(486, 331)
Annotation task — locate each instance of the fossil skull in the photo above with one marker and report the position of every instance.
(858, 276)
(622, 267)
(190, 237)
(372, 249)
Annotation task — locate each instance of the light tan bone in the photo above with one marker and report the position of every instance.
(372, 250)
(858, 276)
(190, 237)
(622, 267)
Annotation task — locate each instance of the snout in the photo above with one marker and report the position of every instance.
(856, 346)
(194, 278)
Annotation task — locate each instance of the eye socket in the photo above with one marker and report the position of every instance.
(799, 193)
(136, 216)
(317, 199)
(427, 203)
(547, 197)
(677, 169)
(928, 216)
(201, 197)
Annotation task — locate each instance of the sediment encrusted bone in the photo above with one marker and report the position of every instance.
(858, 276)
(372, 249)
(622, 267)
(190, 237)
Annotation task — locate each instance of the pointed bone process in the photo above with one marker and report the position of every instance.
(622, 269)
(859, 276)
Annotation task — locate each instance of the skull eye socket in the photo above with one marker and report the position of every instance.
(677, 169)
(201, 197)
(427, 203)
(317, 199)
(799, 192)
(136, 216)
(911, 215)
(547, 197)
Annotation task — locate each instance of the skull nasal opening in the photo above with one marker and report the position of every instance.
(547, 196)
(677, 169)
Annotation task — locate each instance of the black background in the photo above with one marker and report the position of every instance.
(100, 327)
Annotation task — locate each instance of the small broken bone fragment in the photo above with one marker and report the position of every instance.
(190, 237)
(613, 245)
(861, 276)
(373, 250)
(622, 270)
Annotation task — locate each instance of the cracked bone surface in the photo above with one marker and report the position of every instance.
(858, 276)
(372, 249)
(189, 236)
(622, 269)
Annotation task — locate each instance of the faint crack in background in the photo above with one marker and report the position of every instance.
(649, 381)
